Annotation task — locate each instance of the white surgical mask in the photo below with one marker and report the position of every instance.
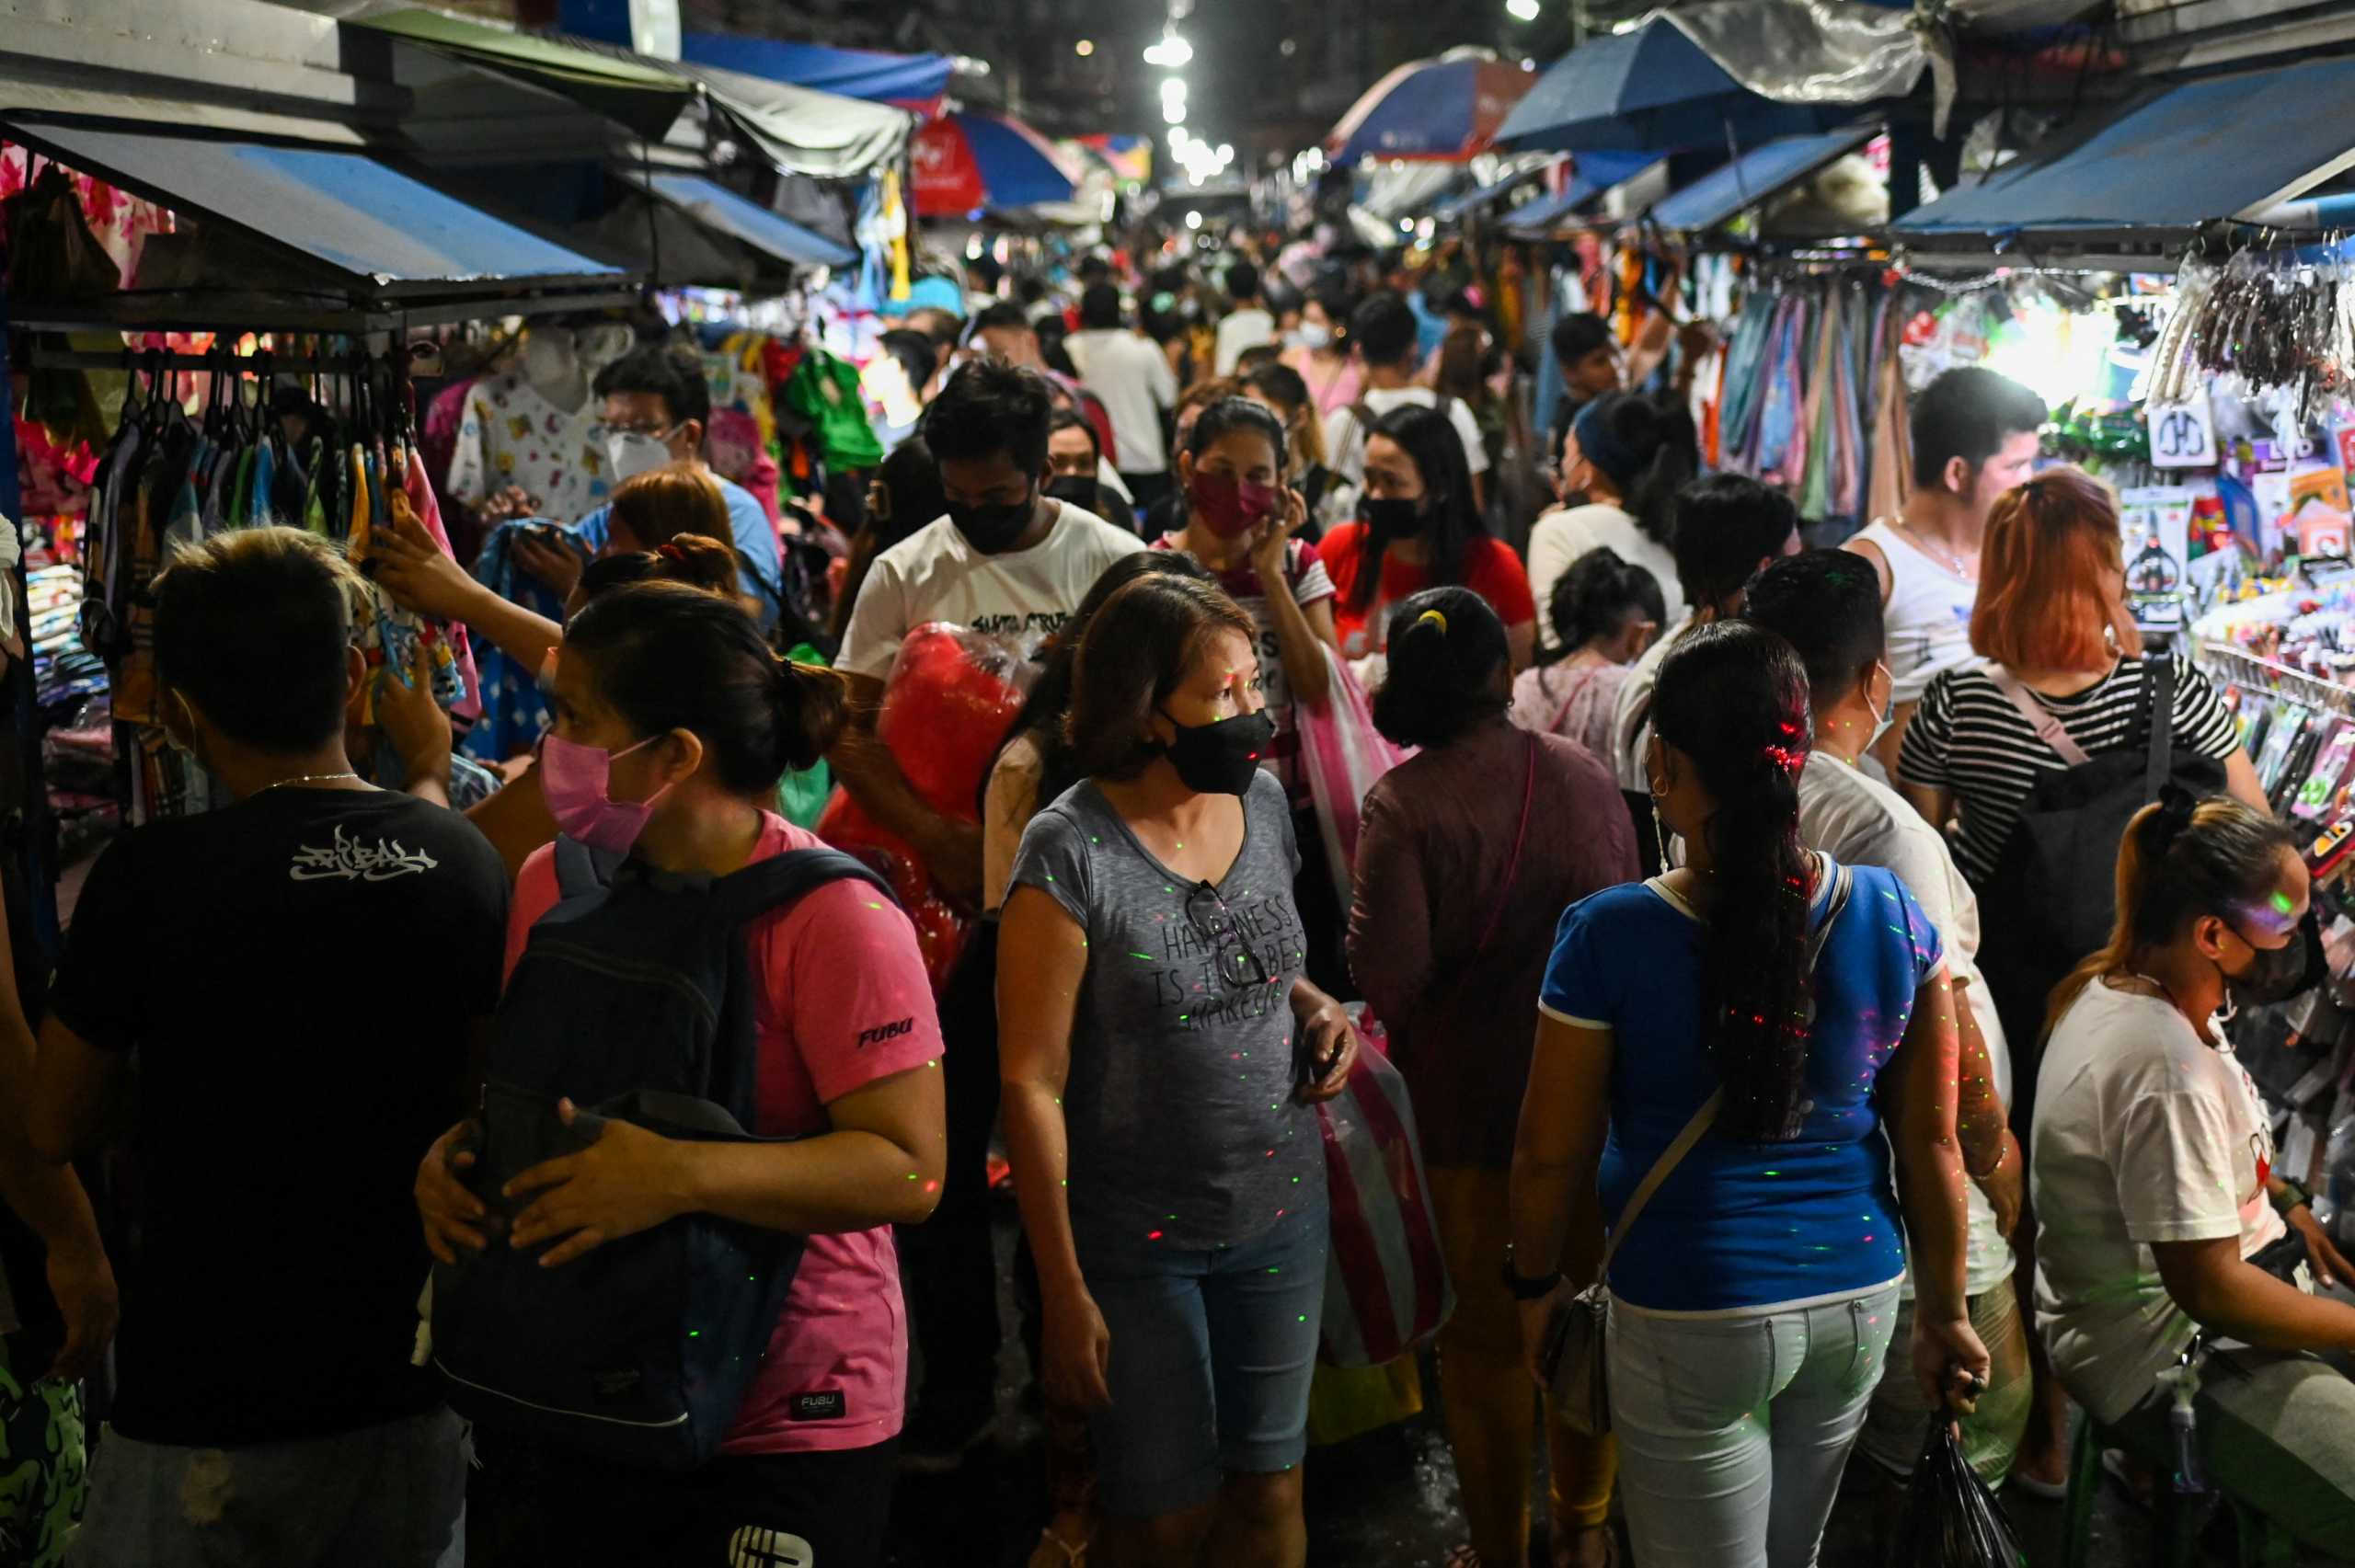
(1884, 716)
(1309, 335)
(632, 453)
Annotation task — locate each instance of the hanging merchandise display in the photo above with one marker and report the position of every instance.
(336, 458)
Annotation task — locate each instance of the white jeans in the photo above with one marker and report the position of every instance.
(1733, 1430)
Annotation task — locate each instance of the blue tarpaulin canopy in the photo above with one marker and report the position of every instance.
(1649, 89)
(911, 81)
(1596, 173)
(1753, 178)
(2175, 158)
(361, 218)
(745, 220)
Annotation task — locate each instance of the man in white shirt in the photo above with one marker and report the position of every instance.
(1007, 560)
(1014, 562)
(1383, 327)
(1826, 604)
(1132, 377)
(1248, 325)
(1974, 438)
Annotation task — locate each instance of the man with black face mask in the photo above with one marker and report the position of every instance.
(1013, 561)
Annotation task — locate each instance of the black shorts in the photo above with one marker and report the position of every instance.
(531, 1506)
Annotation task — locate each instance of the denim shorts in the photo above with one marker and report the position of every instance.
(1210, 1358)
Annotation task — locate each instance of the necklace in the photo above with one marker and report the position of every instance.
(305, 779)
(1950, 559)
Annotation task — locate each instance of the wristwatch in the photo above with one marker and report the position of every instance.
(1525, 1288)
(2294, 1194)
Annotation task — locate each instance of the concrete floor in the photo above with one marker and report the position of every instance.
(1385, 1500)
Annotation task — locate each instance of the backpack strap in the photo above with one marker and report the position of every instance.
(767, 886)
(2047, 728)
(2158, 695)
(580, 870)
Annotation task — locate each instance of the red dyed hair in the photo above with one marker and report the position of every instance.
(2045, 572)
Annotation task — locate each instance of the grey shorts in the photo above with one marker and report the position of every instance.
(389, 1496)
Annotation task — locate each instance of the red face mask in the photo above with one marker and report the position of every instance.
(1227, 506)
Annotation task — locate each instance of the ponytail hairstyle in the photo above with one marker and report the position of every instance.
(667, 655)
(1733, 700)
(1595, 598)
(2181, 858)
(689, 558)
(1446, 646)
(1646, 452)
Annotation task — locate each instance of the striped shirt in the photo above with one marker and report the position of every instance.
(1968, 737)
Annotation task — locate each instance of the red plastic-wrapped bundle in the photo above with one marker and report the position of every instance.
(951, 696)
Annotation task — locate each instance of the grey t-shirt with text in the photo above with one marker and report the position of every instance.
(1184, 1129)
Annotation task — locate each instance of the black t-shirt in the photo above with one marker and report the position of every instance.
(296, 976)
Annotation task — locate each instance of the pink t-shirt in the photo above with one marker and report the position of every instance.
(843, 1003)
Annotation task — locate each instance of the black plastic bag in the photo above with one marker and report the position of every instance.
(1952, 1520)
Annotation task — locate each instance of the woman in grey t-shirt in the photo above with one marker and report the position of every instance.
(1161, 1055)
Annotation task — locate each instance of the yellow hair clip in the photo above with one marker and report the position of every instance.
(1436, 618)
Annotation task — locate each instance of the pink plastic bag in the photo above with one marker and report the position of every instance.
(1386, 1289)
(1343, 754)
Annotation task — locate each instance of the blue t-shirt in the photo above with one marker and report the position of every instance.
(1745, 1225)
(757, 561)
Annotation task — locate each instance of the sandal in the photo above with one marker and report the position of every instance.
(1054, 1551)
(1566, 1545)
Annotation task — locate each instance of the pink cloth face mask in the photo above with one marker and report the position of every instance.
(574, 778)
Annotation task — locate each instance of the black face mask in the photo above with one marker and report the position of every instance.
(1221, 757)
(1388, 519)
(1077, 490)
(993, 529)
(2274, 974)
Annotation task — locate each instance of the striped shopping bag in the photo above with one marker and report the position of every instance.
(1386, 1289)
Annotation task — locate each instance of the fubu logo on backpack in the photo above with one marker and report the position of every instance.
(634, 997)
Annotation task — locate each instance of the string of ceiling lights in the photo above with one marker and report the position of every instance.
(1201, 159)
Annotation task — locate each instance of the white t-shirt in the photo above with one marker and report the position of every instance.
(1345, 443)
(1560, 537)
(1243, 329)
(1858, 820)
(1133, 378)
(935, 574)
(1631, 724)
(2143, 1133)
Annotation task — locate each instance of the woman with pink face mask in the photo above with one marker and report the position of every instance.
(673, 723)
(1242, 523)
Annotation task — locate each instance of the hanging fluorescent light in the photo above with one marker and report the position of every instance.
(1171, 50)
(1522, 10)
(1174, 111)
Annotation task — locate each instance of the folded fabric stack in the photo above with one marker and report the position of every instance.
(64, 673)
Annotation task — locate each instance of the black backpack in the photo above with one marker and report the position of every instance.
(633, 996)
(2053, 896)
